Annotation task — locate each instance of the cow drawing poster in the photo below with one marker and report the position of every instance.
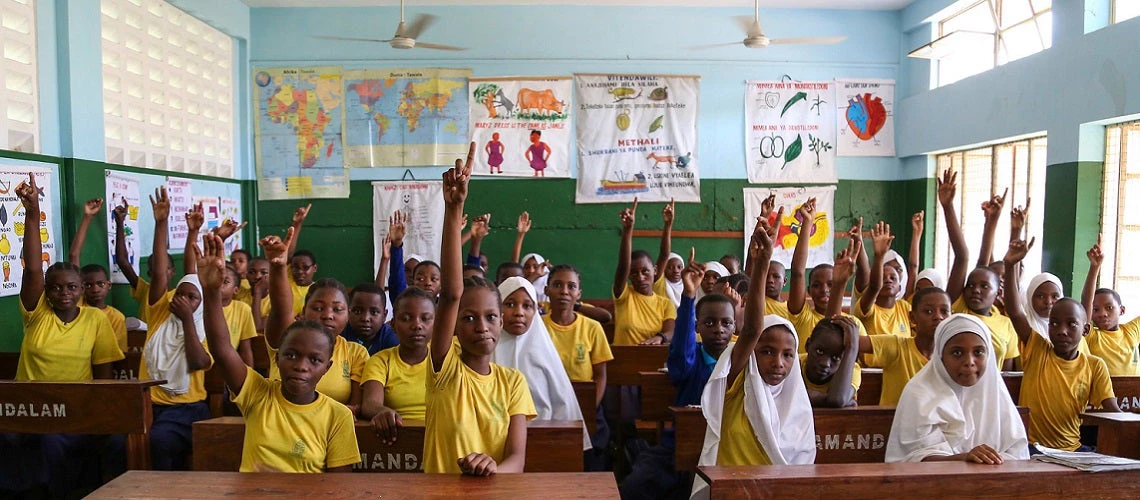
(821, 230)
(422, 202)
(789, 133)
(637, 138)
(521, 126)
(865, 117)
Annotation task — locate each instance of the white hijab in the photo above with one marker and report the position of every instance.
(932, 275)
(938, 417)
(540, 283)
(715, 267)
(894, 256)
(674, 290)
(1040, 324)
(781, 415)
(165, 350)
(533, 354)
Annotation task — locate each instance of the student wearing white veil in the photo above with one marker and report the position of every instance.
(1039, 322)
(894, 257)
(939, 418)
(538, 273)
(525, 345)
(932, 276)
(713, 271)
(666, 286)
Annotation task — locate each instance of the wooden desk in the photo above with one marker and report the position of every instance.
(9, 362)
(1118, 434)
(128, 367)
(587, 395)
(630, 360)
(1013, 479)
(842, 435)
(870, 387)
(136, 339)
(551, 446)
(657, 395)
(212, 485)
(96, 407)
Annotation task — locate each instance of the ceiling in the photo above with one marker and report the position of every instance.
(799, 4)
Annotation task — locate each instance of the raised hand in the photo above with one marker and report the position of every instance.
(761, 247)
(806, 214)
(917, 222)
(211, 263)
(667, 212)
(882, 238)
(856, 235)
(845, 261)
(628, 215)
(768, 205)
(386, 247)
(523, 225)
(947, 186)
(1017, 218)
(195, 218)
(456, 180)
(228, 228)
(301, 213)
(91, 208)
(992, 207)
(29, 193)
(119, 213)
(463, 222)
(481, 227)
(277, 249)
(1018, 249)
(1095, 255)
(160, 204)
(692, 275)
(398, 227)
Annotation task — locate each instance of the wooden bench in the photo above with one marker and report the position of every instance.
(1118, 434)
(630, 360)
(9, 362)
(1013, 479)
(138, 484)
(96, 407)
(1127, 389)
(842, 435)
(551, 446)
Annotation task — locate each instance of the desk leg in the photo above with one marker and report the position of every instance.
(138, 451)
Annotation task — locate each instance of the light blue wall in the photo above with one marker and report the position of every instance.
(561, 40)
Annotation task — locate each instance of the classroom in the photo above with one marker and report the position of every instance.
(903, 222)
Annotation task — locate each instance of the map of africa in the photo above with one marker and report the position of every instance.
(397, 118)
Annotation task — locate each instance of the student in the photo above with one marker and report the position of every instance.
(642, 316)
(256, 291)
(527, 348)
(879, 306)
(667, 280)
(464, 387)
(240, 260)
(302, 263)
(731, 263)
(395, 379)
(289, 425)
(535, 267)
(713, 271)
(830, 371)
(96, 279)
(1060, 381)
(471, 271)
(1117, 344)
(929, 277)
(239, 316)
(367, 309)
(507, 270)
(957, 407)
(140, 288)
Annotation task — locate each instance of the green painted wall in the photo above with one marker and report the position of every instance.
(1073, 195)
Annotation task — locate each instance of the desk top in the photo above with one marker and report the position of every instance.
(152, 484)
(1096, 417)
(876, 470)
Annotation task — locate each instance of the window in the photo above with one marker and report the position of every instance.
(1123, 10)
(983, 173)
(1121, 215)
(19, 105)
(168, 98)
(989, 33)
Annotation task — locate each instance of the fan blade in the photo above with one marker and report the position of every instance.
(826, 40)
(749, 25)
(419, 25)
(436, 46)
(352, 39)
(713, 46)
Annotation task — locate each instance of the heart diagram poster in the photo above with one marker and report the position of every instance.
(521, 125)
(422, 202)
(865, 117)
(14, 226)
(122, 187)
(790, 132)
(820, 230)
(637, 137)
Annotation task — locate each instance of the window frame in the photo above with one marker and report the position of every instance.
(7, 126)
(999, 34)
(1116, 167)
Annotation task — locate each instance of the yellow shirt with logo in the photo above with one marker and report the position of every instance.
(738, 444)
(1003, 336)
(856, 378)
(64, 352)
(239, 318)
(404, 385)
(1058, 390)
(808, 318)
(1120, 348)
(284, 437)
(638, 317)
(900, 359)
(886, 321)
(470, 413)
(348, 364)
(581, 345)
(159, 312)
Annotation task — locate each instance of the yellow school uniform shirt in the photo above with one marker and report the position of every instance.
(773, 306)
(1004, 337)
(856, 377)
(299, 293)
(348, 360)
(638, 317)
(118, 325)
(64, 352)
(141, 293)
(738, 444)
(581, 345)
(470, 413)
(659, 287)
(886, 321)
(159, 313)
(244, 292)
(239, 318)
(900, 359)
(284, 437)
(1120, 348)
(1057, 390)
(404, 385)
(808, 318)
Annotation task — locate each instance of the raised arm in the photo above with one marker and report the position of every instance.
(523, 228)
(194, 220)
(683, 353)
(299, 216)
(1096, 259)
(160, 205)
(841, 275)
(120, 214)
(767, 206)
(628, 217)
(90, 210)
(917, 224)
(947, 186)
(280, 294)
(480, 228)
(211, 270)
(455, 182)
(666, 240)
(760, 252)
(881, 237)
(397, 276)
(992, 209)
(797, 294)
(862, 264)
(840, 394)
(32, 283)
(385, 261)
(1018, 249)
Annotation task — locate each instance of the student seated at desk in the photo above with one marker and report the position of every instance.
(395, 379)
(640, 316)
(830, 371)
(1115, 343)
(957, 407)
(289, 426)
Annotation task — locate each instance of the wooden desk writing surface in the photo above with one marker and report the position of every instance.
(551, 446)
(1013, 479)
(630, 360)
(210, 485)
(1118, 434)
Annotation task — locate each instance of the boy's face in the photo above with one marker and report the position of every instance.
(775, 354)
(775, 282)
(981, 290)
(427, 278)
(229, 285)
(413, 320)
(928, 313)
(641, 275)
(258, 270)
(240, 262)
(716, 323)
(366, 312)
(563, 290)
(820, 288)
(480, 321)
(303, 360)
(890, 281)
(1066, 327)
(1105, 311)
(303, 270)
(507, 272)
(95, 287)
(824, 354)
(964, 357)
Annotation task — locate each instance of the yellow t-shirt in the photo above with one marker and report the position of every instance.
(348, 364)
(1004, 337)
(159, 313)
(470, 413)
(239, 318)
(64, 352)
(284, 437)
(638, 317)
(659, 287)
(773, 306)
(404, 385)
(856, 378)
(1057, 392)
(738, 444)
(883, 321)
(581, 345)
(900, 359)
(1120, 349)
(244, 293)
(299, 293)
(118, 325)
(806, 321)
(141, 293)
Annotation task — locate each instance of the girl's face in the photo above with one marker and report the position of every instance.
(641, 275)
(518, 312)
(820, 287)
(709, 281)
(303, 270)
(413, 319)
(190, 292)
(533, 270)
(673, 270)
(303, 359)
(981, 290)
(480, 321)
(366, 313)
(534, 137)
(1044, 297)
(95, 287)
(775, 353)
(241, 262)
(563, 290)
(495, 136)
(964, 357)
(427, 278)
(410, 266)
(63, 288)
(890, 280)
(328, 307)
(928, 313)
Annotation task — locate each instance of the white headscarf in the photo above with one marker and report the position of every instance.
(715, 267)
(894, 256)
(932, 275)
(781, 415)
(674, 290)
(1040, 324)
(165, 350)
(418, 258)
(938, 417)
(540, 283)
(533, 354)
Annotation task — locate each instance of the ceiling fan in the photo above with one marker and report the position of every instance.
(754, 37)
(405, 37)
